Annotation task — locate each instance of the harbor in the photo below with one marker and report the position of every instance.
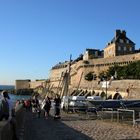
(70, 126)
(75, 122)
(70, 70)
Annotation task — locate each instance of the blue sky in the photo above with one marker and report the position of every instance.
(37, 34)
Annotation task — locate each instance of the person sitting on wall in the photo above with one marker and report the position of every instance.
(4, 106)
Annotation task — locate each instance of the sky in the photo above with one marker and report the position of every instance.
(37, 34)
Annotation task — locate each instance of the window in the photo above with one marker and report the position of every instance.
(124, 48)
(121, 41)
(127, 41)
(119, 48)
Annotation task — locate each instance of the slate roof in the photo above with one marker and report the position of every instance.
(120, 37)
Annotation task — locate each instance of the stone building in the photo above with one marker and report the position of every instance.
(92, 53)
(119, 45)
(120, 51)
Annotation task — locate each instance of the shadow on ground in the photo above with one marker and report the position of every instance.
(49, 129)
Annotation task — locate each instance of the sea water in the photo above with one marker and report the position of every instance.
(14, 97)
(4, 87)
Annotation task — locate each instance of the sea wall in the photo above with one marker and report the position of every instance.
(7, 128)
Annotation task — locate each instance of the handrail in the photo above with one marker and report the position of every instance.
(126, 110)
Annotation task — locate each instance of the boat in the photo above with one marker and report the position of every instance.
(115, 104)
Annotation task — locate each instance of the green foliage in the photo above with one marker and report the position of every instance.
(86, 62)
(102, 74)
(131, 71)
(89, 76)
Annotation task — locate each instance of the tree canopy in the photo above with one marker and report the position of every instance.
(131, 71)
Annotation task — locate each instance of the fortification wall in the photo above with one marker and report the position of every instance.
(98, 65)
(22, 84)
(34, 84)
(80, 69)
(94, 65)
(120, 85)
(56, 76)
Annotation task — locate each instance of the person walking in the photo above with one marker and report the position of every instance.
(57, 102)
(47, 106)
(36, 106)
(4, 106)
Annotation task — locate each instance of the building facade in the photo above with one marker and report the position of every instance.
(120, 51)
(119, 45)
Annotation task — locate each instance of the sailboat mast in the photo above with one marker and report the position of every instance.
(66, 80)
(68, 76)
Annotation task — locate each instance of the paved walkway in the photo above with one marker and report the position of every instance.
(49, 129)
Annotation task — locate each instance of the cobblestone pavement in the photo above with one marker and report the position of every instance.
(50, 129)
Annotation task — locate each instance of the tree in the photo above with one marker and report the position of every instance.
(89, 76)
(131, 71)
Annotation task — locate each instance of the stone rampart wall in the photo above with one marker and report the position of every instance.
(80, 69)
(94, 65)
(34, 84)
(22, 84)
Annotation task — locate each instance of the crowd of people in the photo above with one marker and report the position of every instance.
(45, 105)
(34, 105)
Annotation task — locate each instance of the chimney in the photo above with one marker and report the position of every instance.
(117, 33)
(124, 33)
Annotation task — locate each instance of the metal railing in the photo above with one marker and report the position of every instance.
(126, 115)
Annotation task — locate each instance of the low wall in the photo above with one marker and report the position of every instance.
(7, 129)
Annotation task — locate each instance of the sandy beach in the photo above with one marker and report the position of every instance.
(101, 129)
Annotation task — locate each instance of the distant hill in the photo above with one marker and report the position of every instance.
(4, 87)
